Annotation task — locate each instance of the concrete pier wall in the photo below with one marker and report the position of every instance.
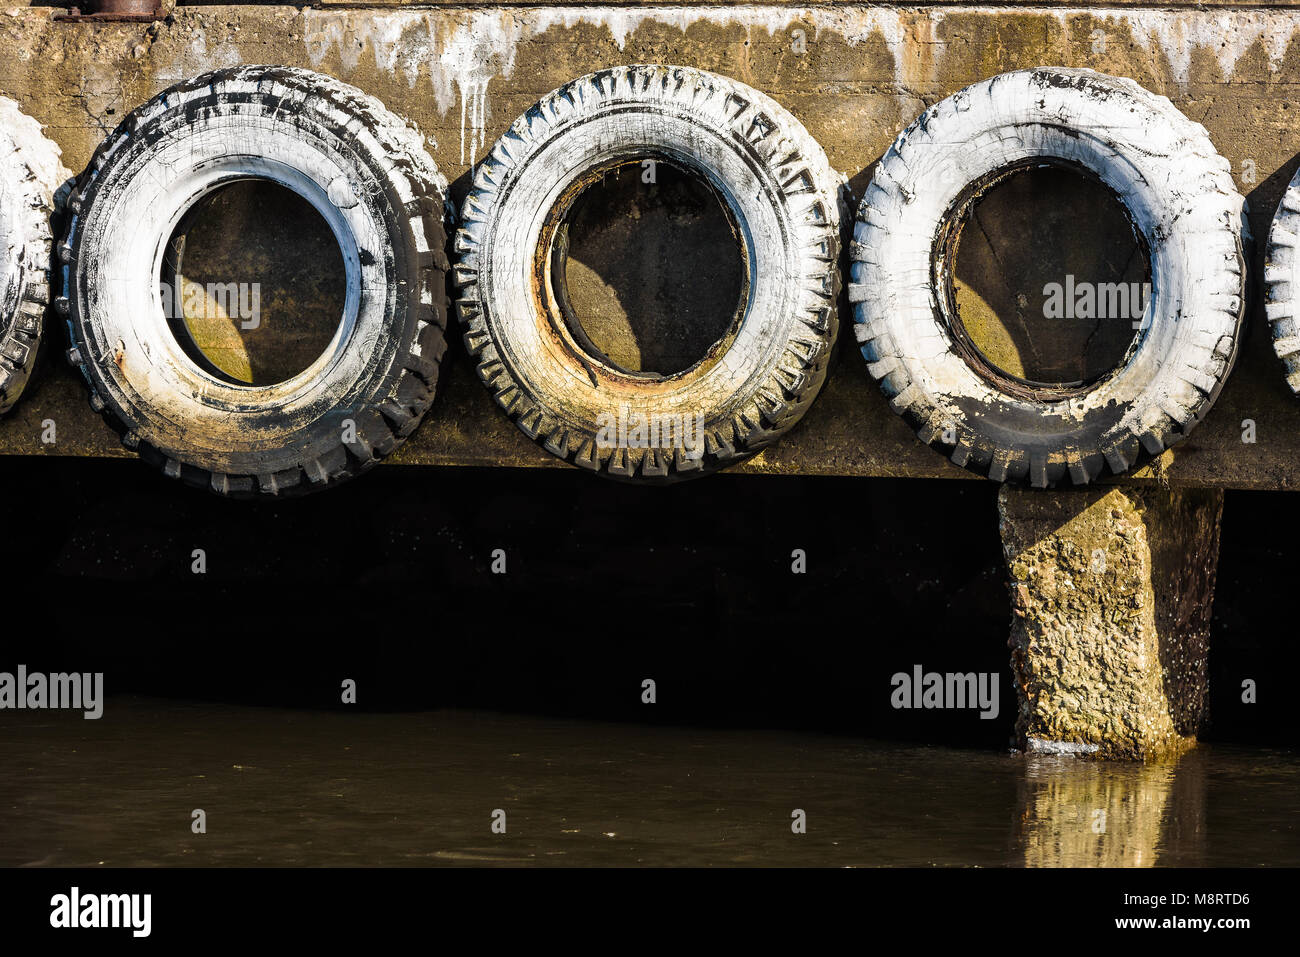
(854, 75)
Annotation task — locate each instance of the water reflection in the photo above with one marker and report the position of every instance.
(1088, 813)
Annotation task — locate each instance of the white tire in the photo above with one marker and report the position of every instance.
(781, 195)
(367, 173)
(30, 176)
(1282, 281)
(1181, 198)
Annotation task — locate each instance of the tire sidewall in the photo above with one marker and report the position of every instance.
(1136, 144)
(575, 392)
(169, 406)
(31, 175)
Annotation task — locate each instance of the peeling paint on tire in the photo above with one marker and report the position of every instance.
(1182, 200)
(1282, 281)
(782, 197)
(30, 177)
(367, 173)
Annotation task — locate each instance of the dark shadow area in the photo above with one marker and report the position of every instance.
(1252, 638)
(389, 581)
(653, 272)
(253, 283)
(1049, 277)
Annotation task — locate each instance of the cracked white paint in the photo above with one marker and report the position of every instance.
(1228, 34)
(199, 54)
(1182, 199)
(475, 53)
(399, 40)
(462, 51)
(787, 218)
(31, 174)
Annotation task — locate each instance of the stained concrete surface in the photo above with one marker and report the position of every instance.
(1111, 601)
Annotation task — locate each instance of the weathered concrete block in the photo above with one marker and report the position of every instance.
(1111, 592)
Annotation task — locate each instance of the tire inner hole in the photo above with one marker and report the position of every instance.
(648, 269)
(1049, 278)
(253, 283)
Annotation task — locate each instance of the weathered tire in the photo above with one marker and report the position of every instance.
(782, 196)
(30, 176)
(1282, 281)
(1181, 198)
(368, 175)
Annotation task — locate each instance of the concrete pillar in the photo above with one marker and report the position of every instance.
(1110, 616)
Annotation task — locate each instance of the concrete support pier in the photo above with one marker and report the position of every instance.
(1111, 590)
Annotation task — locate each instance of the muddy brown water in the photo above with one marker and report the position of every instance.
(299, 787)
